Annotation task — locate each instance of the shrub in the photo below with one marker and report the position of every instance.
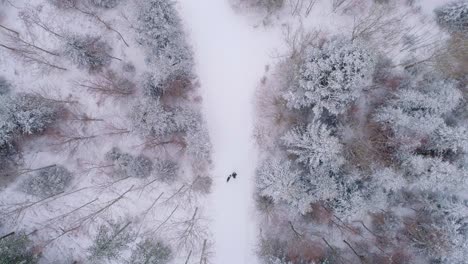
(105, 3)
(4, 86)
(126, 165)
(47, 182)
(453, 16)
(88, 52)
(109, 242)
(17, 249)
(331, 76)
(150, 252)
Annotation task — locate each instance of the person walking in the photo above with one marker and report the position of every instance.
(233, 175)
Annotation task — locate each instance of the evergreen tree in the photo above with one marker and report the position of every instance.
(151, 252)
(47, 182)
(109, 242)
(17, 249)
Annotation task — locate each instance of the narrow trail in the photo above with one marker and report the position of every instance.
(231, 57)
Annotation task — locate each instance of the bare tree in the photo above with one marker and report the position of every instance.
(190, 233)
(106, 24)
(31, 56)
(109, 84)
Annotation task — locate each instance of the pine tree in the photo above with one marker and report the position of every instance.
(109, 242)
(331, 76)
(17, 249)
(151, 252)
(47, 182)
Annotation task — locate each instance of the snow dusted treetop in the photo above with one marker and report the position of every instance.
(160, 29)
(453, 16)
(24, 114)
(450, 138)
(419, 110)
(276, 178)
(151, 119)
(314, 147)
(331, 76)
(434, 174)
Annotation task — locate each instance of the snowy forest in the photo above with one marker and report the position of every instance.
(346, 122)
(104, 153)
(364, 138)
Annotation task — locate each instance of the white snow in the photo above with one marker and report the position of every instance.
(231, 57)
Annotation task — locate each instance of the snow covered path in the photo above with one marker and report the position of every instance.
(231, 57)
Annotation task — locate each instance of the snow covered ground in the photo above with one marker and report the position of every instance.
(231, 57)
